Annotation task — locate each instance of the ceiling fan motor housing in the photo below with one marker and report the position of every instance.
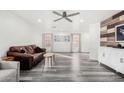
(64, 14)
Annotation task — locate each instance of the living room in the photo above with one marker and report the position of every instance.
(72, 36)
(32, 24)
(81, 53)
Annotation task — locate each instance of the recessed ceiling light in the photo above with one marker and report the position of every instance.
(39, 20)
(81, 20)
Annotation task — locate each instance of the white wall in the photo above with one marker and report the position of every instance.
(61, 46)
(84, 42)
(14, 31)
(84, 30)
(90, 40)
(94, 40)
(17, 31)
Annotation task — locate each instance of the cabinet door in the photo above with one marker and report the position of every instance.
(107, 57)
(102, 55)
(112, 58)
(75, 44)
(115, 59)
(121, 63)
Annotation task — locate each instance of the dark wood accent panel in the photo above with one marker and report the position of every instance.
(110, 23)
(111, 39)
(118, 14)
(108, 35)
(103, 32)
(115, 24)
(114, 21)
(106, 22)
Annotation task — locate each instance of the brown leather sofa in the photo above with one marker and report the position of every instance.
(29, 57)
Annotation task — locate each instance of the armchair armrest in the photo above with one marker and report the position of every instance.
(11, 65)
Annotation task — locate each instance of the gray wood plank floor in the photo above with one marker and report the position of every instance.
(70, 67)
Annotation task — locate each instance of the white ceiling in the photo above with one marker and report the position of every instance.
(46, 17)
(89, 16)
(47, 24)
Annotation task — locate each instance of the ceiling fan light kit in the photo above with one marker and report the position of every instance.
(64, 15)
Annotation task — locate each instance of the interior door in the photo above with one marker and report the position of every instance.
(75, 42)
(47, 41)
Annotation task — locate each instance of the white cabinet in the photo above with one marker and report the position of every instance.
(112, 57)
(116, 53)
(107, 55)
(104, 56)
(121, 63)
(101, 55)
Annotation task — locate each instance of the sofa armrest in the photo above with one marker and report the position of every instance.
(11, 65)
(39, 50)
(26, 60)
(16, 54)
(43, 49)
(21, 56)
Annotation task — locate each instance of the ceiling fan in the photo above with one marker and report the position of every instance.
(64, 15)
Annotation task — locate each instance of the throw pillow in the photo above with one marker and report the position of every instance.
(15, 49)
(30, 50)
(38, 50)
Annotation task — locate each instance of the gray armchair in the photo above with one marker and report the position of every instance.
(9, 71)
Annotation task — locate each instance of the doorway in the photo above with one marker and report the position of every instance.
(47, 41)
(75, 42)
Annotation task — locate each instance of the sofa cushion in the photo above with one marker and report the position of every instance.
(8, 75)
(30, 49)
(17, 49)
(37, 56)
(33, 46)
(24, 50)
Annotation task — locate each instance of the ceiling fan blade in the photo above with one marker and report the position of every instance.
(58, 19)
(68, 19)
(73, 14)
(57, 13)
